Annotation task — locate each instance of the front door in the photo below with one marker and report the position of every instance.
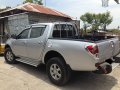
(19, 45)
(36, 42)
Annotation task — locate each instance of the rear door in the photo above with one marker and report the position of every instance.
(36, 42)
(108, 48)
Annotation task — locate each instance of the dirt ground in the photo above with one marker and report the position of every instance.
(24, 77)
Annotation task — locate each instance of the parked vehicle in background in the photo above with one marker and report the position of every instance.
(2, 45)
(60, 47)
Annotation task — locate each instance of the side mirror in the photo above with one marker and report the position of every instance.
(14, 36)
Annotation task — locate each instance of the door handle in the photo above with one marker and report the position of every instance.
(24, 42)
(40, 42)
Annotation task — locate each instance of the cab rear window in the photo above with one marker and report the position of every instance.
(64, 31)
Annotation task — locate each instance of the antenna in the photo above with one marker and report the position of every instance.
(45, 2)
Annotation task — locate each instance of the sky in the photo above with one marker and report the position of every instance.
(76, 8)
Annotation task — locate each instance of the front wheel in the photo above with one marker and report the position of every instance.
(9, 56)
(57, 71)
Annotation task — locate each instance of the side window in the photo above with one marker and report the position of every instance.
(37, 31)
(71, 32)
(57, 31)
(24, 34)
(64, 31)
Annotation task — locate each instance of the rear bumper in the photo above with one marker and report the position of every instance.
(107, 66)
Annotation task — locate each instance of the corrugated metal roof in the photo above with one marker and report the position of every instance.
(40, 9)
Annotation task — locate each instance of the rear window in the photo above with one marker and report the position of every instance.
(64, 31)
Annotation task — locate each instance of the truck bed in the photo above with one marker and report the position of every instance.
(108, 46)
(94, 38)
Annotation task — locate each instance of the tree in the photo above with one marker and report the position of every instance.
(34, 1)
(105, 20)
(31, 1)
(38, 2)
(87, 20)
(90, 20)
(97, 20)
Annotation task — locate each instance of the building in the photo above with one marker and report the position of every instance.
(14, 20)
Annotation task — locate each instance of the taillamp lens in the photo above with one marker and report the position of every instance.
(92, 49)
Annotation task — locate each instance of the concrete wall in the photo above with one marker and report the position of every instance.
(1, 27)
(35, 18)
(40, 18)
(17, 23)
(4, 31)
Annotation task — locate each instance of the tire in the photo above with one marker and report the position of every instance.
(57, 71)
(9, 56)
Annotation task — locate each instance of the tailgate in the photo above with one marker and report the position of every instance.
(108, 48)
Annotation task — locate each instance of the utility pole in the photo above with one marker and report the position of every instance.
(118, 27)
(45, 2)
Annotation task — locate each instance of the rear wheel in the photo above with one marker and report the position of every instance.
(9, 56)
(57, 71)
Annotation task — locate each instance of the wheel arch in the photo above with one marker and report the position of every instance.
(7, 46)
(51, 54)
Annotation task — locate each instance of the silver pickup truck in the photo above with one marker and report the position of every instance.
(60, 47)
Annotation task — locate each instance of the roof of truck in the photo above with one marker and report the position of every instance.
(51, 23)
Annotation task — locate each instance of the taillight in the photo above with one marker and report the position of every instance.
(93, 49)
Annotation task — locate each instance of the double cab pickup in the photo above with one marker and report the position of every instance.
(62, 49)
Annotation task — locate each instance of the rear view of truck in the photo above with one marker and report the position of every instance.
(108, 48)
(105, 51)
